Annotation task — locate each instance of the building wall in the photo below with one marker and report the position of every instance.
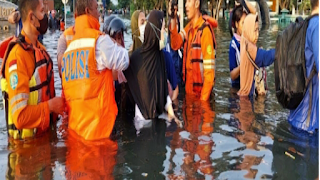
(48, 5)
(273, 7)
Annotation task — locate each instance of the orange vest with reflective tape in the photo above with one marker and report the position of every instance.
(41, 86)
(89, 93)
(196, 56)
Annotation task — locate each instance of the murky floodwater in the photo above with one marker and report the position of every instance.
(225, 138)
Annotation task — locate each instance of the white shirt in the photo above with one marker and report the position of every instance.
(109, 55)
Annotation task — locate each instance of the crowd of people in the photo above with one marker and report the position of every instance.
(94, 65)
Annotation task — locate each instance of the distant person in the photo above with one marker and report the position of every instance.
(62, 24)
(299, 118)
(53, 21)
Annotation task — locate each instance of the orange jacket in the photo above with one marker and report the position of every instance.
(198, 66)
(28, 83)
(89, 93)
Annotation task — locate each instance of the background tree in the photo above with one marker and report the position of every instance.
(14, 1)
(123, 3)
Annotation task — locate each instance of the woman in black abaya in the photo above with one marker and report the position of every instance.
(146, 75)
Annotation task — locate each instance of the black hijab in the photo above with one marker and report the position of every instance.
(146, 74)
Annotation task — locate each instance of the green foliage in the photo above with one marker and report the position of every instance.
(14, 1)
(305, 5)
(111, 6)
(123, 3)
(58, 5)
(132, 8)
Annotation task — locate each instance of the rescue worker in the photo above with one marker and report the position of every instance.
(199, 49)
(87, 80)
(27, 77)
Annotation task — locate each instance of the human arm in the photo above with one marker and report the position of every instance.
(208, 52)
(176, 39)
(265, 58)
(62, 47)
(175, 93)
(235, 73)
(23, 114)
(234, 68)
(111, 55)
(315, 47)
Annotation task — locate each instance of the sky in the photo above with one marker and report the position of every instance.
(115, 2)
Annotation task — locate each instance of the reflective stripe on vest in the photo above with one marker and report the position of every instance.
(40, 90)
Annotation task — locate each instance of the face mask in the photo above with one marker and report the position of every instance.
(42, 29)
(162, 43)
(142, 28)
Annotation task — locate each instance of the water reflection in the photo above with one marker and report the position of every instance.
(90, 160)
(31, 159)
(190, 148)
(303, 148)
(142, 155)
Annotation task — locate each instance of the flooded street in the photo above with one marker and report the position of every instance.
(226, 138)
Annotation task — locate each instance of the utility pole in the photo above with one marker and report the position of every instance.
(74, 5)
(181, 13)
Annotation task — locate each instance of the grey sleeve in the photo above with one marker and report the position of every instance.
(62, 45)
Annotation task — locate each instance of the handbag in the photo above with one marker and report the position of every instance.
(259, 77)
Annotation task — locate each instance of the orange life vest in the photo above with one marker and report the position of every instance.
(41, 86)
(69, 33)
(4, 45)
(89, 93)
(196, 54)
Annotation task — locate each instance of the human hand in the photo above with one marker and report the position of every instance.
(173, 8)
(56, 105)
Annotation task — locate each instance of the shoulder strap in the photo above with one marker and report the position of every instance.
(309, 79)
(204, 25)
(251, 60)
(312, 16)
(19, 40)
